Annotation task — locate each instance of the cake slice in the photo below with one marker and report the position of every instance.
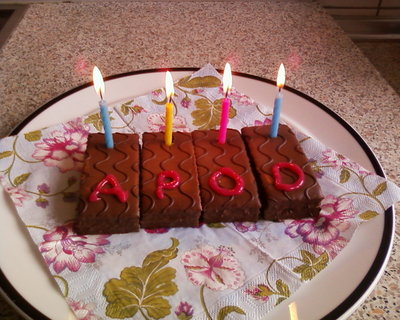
(169, 186)
(109, 192)
(225, 204)
(270, 158)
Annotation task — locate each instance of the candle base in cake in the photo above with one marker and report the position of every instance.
(264, 153)
(179, 205)
(211, 156)
(106, 213)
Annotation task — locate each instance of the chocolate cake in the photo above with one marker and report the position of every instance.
(211, 156)
(169, 186)
(270, 158)
(109, 193)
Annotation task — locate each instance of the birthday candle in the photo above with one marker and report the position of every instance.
(169, 109)
(280, 81)
(226, 104)
(100, 89)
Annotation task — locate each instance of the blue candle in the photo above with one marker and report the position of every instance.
(276, 115)
(106, 124)
(105, 119)
(280, 81)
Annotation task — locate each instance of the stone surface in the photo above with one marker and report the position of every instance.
(55, 46)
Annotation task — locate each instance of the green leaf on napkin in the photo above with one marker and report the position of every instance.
(126, 108)
(368, 215)
(161, 103)
(312, 264)
(344, 176)
(223, 312)
(95, 120)
(199, 82)
(381, 188)
(143, 288)
(282, 288)
(216, 225)
(6, 154)
(33, 135)
(207, 114)
(21, 179)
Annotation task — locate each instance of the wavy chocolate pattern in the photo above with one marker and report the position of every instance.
(264, 153)
(195, 157)
(210, 157)
(108, 215)
(181, 206)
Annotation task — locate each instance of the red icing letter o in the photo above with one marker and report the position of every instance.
(278, 179)
(239, 182)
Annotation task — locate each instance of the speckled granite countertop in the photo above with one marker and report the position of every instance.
(56, 45)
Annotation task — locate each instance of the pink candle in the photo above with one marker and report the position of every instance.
(223, 127)
(226, 104)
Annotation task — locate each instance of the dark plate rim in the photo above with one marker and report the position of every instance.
(30, 312)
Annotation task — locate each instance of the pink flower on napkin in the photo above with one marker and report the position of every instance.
(339, 161)
(64, 249)
(184, 311)
(214, 268)
(158, 230)
(64, 149)
(82, 311)
(156, 122)
(18, 195)
(237, 96)
(260, 292)
(245, 226)
(324, 233)
(266, 121)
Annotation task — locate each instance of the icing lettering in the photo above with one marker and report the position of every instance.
(239, 182)
(115, 189)
(162, 183)
(276, 172)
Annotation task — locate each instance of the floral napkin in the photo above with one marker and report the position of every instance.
(216, 271)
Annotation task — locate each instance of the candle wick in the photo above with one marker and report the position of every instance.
(101, 95)
(226, 93)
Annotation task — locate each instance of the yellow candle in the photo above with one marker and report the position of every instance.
(169, 109)
(169, 117)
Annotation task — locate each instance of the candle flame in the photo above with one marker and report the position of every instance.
(280, 80)
(98, 82)
(169, 85)
(293, 311)
(227, 79)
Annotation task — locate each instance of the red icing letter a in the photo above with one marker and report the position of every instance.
(116, 189)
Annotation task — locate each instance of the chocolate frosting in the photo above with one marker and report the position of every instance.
(264, 152)
(109, 215)
(181, 206)
(210, 157)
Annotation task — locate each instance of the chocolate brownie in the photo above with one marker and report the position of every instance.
(104, 212)
(211, 156)
(265, 152)
(177, 206)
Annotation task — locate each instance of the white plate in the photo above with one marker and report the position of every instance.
(334, 293)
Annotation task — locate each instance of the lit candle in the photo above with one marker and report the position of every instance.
(226, 104)
(280, 81)
(169, 109)
(100, 89)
